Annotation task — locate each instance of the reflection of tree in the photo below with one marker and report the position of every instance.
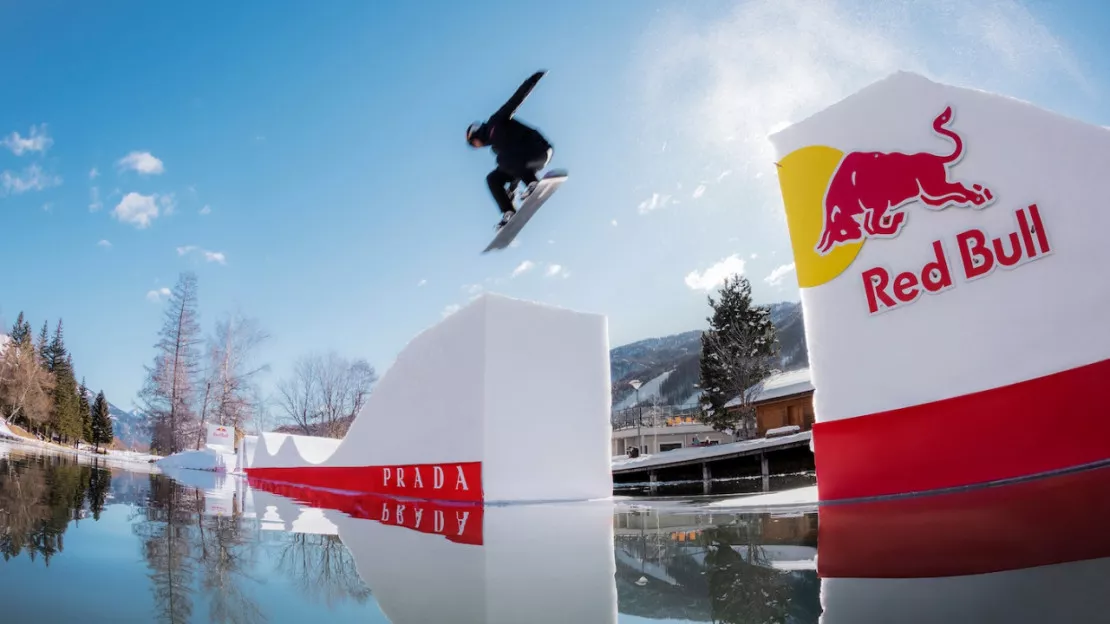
(39, 496)
(723, 575)
(226, 553)
(322, 567)
(164, 527)
(183, 545)
(100, 483)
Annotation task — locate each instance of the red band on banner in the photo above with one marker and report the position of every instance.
(445, 482)
(1043, 424)
(1050, 520)
(462, 523)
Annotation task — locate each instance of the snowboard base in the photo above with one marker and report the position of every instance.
(547, 186)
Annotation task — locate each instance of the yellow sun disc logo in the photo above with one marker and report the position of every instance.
(804, 176)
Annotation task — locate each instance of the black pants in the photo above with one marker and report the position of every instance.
(513, 167)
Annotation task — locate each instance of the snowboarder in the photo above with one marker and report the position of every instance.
(521, 150)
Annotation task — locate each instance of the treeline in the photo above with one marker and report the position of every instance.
(194, 380)
(39, 389)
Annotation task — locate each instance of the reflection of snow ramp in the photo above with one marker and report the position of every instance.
(468, 563)
(504, 400)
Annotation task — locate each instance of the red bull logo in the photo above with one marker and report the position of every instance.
(836, 201)
(868, 190)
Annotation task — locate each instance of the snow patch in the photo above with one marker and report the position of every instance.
(202, 459)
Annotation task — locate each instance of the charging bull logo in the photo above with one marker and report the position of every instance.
(869, 189)
(835, 200)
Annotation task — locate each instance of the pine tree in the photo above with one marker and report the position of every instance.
(101, 421)
(86, 412)
(66, 418)
(739, 351)
(44, 346)
(21, 331)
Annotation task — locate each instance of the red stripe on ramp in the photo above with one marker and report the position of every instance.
(460, 482)
(1043, 424)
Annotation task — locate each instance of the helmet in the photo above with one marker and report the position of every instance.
(473, 130)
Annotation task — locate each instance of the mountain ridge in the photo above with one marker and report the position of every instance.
(649, 358)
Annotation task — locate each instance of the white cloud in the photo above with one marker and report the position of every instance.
(38, 141)
(421, 283)
(32, 178)
(206, 210)
(655, 202)
(48, 207)
(94, 199)
(698, 192)
(555, 270)
(104, 243)
(776, 277)
(473, 289)
(715, 275)
(93, 173)
(155, 296)
(514, 244)
(209, 256)
(523, 268)
(142, 162)
(754, 255)
(613, 223)
(138, 210)
(451, 309)
(721, 85)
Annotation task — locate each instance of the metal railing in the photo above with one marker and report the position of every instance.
(654, 416)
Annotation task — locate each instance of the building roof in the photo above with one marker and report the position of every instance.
(780, 385)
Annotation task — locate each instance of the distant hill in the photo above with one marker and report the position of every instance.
(126, 426)
(669, 366)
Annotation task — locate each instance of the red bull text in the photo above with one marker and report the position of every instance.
(979, 256)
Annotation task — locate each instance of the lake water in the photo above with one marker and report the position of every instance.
(86, 542)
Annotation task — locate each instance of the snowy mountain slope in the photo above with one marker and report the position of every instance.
(674, 361)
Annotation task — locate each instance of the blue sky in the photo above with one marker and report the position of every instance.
(308, 160)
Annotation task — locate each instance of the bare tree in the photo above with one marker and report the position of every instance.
(297, 396)
(168, 395)
(26, 388)
(230, 380)
(326, 392)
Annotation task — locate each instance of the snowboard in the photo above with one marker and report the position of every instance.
(547, 186)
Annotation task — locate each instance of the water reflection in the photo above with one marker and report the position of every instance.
(717, 567)
(39, 497)
(202, 547)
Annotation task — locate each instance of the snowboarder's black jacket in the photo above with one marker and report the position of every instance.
(505, 134)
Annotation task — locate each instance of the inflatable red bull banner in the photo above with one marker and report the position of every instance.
(948, 244)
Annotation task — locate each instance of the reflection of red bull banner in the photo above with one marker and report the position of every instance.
(1021, 525)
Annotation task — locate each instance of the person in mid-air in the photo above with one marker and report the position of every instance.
(521, 150)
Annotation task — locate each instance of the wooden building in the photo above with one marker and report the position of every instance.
(785, 400)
